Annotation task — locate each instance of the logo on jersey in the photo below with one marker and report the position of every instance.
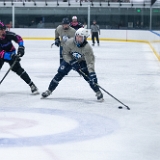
(62, 67)
(76, 55)
(65, 38)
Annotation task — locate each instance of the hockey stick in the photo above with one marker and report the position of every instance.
(106, 91)
(9, 69)
(52, 44)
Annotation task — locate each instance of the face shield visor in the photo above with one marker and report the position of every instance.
(79, 39)
(80, 36)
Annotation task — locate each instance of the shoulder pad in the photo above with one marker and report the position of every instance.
(10, 33)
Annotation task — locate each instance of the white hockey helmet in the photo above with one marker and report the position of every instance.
(74, 17)
(82, 32)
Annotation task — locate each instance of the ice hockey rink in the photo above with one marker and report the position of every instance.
(70, 124)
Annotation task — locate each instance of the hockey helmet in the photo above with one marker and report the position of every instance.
(2, 26)
(65, 21)
(82, 32)
(80, 37)
(74, 17)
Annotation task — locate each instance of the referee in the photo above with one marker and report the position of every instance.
(95, 32)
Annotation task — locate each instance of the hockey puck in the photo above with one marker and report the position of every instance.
(120, 107)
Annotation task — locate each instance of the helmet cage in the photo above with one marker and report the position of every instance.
(83, 33)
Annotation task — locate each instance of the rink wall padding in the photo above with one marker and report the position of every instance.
(152, 38)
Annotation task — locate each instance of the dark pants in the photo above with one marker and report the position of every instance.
(64, 69)
(60, 52)
(17, 69)
(95, 35)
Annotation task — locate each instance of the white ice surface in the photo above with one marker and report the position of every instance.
(71, 124)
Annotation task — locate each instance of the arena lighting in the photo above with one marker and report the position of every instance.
(57, 3)
(4, 3)
(80, 3)
(46, 3)
(108, 3)
(92, 3)
(23, 4)
(34, 2)
(69, 3)
(100, 3)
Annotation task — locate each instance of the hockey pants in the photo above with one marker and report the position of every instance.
(95, 35)
(17, 69)
(64, 69)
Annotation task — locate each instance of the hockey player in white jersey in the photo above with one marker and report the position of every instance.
(78, 55)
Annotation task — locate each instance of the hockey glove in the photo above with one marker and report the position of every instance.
(57, 42)
(93, 78)
(7, 55)
(21, 51)
(75, 65)
(15, 57)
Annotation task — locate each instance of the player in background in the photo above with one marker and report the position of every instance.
(85, 25)
(75, 24)
(78, 55)
(62, 33)
(95, 32)
(8, 54)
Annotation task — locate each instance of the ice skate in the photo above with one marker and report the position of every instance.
(34, 89)
(46, 93)
(99, 96)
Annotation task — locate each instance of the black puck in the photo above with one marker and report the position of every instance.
(120, 107)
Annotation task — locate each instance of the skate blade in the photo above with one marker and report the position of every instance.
(100, 100)
(43, 98)
(35, 93)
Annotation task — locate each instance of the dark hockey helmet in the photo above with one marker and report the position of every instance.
(2, 26)
(65, 21)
